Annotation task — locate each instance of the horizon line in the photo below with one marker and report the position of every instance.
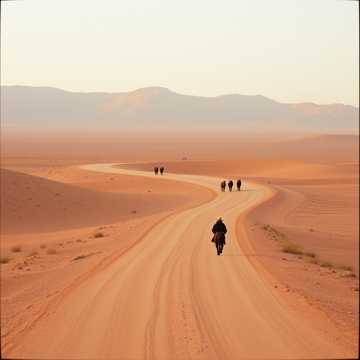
(177, 93)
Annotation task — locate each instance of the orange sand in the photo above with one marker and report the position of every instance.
(315, 206)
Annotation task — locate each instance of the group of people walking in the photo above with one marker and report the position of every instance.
(219, 229)
(157, 169)
(230, 185)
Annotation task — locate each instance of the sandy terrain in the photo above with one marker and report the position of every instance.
(129, 147)
(168, 316)
(321, 224)
(309, 197)
(58, 242)
(35, 204)
(316, 210)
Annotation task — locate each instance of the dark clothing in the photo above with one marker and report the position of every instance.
(238, 184)
(223, 185)
(219, 226)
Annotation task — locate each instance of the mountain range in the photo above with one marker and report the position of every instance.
(25, 107)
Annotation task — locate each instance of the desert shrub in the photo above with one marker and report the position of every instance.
(4, 259)
(291, 248)
(348, 274)
(16, 248)
(33, 253)
(310, 254)
(274, 233)
(345, 267)
(313, 260)
(99, 235)
(51, 251)
(327, 264)
(79, 257)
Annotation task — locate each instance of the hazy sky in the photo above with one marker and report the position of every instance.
(288, 50)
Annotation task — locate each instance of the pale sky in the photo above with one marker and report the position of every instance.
(287, 50)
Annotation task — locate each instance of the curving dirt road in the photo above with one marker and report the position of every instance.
(172, 297)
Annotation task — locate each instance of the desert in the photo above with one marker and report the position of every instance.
(66, 228)
(179, 180)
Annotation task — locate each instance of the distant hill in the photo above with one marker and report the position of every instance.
(24, 107)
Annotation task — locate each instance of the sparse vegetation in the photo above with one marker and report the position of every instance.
(345, 267)
(133, 211)
(353, 275)
(349, 275)
(312, 260)
(16, 248)
(4, 259)
(78, 240)
(327, 264)
(51, 251)
(33, 253)
(274, 233)
(291, 248)
(99, 234)
(42, 246)
(310, 254)
(79, 257)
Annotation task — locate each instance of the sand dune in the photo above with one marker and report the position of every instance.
(33, 204)
(316, 180)
(166, 314)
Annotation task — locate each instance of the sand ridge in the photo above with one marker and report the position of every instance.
(31, 204)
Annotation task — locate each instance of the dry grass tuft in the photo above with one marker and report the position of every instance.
(312, 260)
(310, 254)
(349, 275)
(4, 259)
(291, 248)
(33, 253)
(344, 267)
(79, 257)
(16, 248)
(98, 235)
(51, 251)
(327, 264)
(274, 233)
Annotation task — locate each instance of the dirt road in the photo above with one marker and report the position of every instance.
(172, 297)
